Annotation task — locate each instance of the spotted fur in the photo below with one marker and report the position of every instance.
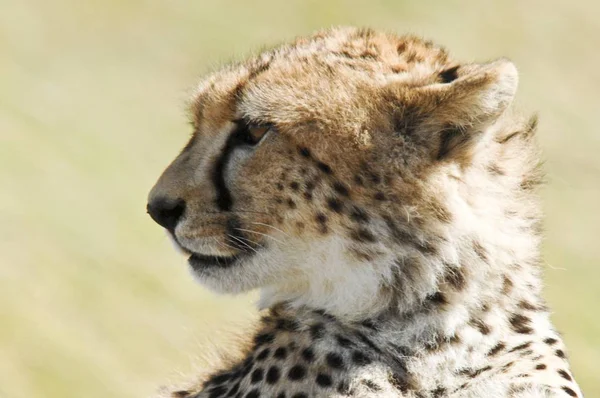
(389, 216)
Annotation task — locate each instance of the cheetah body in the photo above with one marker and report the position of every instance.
(382, 197)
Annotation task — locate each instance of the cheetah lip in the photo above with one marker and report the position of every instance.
(200, 261)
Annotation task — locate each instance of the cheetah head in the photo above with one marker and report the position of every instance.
(321, 170)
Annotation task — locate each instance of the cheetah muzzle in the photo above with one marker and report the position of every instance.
(382, 196)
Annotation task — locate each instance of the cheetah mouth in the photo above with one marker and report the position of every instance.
(200, 261)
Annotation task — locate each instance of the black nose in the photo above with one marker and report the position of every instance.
(166, 212)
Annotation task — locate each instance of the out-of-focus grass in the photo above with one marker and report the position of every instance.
(93, 300)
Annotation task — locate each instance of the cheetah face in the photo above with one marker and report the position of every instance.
(314, 166)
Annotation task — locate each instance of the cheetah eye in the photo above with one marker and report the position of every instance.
(251, 133)
(256, 133)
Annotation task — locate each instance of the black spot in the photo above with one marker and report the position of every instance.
(526, 305)
(540, 366)
(374, 177)
(334, 360)
(569, 391)
(359, 215)
(281, 395)
(363, 235)
(521, 347)
(405, 237)
(256, 376)
(507, 366)
(360, 358)
(358, 180)
(263, 354)
(439, 392)
(280, 353)
(475, 373)
(295, 186)
(335, 204)
(321, 218)
(273, 375)
(264, 338)
(437, 298)
(305, 152)
(449, 75)
(324, 167)
(341, 189)
(480, 251)
(343, 341)
(368, 323)
(220, 379)
(291, 204)
(565, 375)
(217, 391)
(560, 353)
(550, 341)
(234, 389)
(308, 195)
(507, 284)
(380, 196)
(297, 372)
(324, 380)
(317, 331)
(279, 186)
(253, 394)
(308, 354)
(368, 342)
(520, 324)
(286, 324)
(456, 278)
(246, 366)
(483, 327)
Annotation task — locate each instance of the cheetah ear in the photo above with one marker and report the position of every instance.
(469, 99)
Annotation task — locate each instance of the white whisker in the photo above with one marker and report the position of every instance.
(220, 242)
(270, 226)
(260, 233)
(242, 242)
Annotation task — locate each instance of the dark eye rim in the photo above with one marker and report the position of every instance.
(244, 129)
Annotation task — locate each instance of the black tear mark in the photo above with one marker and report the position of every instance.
(239, 137)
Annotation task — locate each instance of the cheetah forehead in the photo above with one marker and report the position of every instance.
(333, 74)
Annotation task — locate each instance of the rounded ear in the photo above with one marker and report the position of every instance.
(452, 114)
(474, 95)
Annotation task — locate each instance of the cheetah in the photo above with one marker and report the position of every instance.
(382, 197)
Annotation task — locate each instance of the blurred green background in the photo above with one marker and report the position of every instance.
(94, 302)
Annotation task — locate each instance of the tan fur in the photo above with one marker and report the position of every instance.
(395, 186)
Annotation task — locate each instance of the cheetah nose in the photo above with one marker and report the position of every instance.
(166, 212)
